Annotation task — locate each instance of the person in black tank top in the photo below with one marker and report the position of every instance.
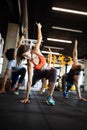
(72, 77)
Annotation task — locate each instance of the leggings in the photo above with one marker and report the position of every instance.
(66, 85)
(15, 76)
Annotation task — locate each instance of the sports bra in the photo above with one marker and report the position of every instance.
(42, 61)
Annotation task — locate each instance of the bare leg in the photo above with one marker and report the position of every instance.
(51, 88)
(43, 85)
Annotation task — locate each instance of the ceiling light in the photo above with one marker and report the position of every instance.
(59, 40)
(67, 29)
(48, 52)
(69, 11)
(56, 48)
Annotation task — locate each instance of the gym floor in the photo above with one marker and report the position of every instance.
(69, 114)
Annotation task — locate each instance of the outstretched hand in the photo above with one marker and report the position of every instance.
(2, 91)
(39, 25)
(82, 99)
(49, 49)
(24, 30)
(25, 100)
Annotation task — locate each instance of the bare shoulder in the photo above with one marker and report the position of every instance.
(37, 51)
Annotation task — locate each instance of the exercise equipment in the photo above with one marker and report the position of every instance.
(72, 88)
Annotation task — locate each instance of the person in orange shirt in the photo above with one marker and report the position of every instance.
(37, 68)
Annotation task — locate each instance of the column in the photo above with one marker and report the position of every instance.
(85, 76)
(11, 40)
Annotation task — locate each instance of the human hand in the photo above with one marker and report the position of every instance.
(49, 49)
(39, 25)
(2, 90)
(25, 100)
(82, 99)
(76, 42)
(24, 30)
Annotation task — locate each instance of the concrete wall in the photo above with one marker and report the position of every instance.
(11, 40)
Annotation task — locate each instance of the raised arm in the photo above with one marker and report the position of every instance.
(21, 39)
(39, 37)
(50, 58)
(75, 53)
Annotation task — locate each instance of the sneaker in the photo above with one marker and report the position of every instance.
(50, 101)
(16, 92)
(65, 95)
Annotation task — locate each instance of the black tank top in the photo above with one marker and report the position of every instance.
(70, 75)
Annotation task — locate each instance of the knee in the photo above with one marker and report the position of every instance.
(54, 74)
(23, 70)
(54, 71)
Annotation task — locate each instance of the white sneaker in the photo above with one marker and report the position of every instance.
(16, 92)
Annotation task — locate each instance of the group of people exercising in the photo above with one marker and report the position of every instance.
(37, 69)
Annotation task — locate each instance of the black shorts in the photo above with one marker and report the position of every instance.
(50, 74)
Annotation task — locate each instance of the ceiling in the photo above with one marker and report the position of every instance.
(41, 11)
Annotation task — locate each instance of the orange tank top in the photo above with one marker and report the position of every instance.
(42, 61)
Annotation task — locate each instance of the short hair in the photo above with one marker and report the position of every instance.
(9, 54)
